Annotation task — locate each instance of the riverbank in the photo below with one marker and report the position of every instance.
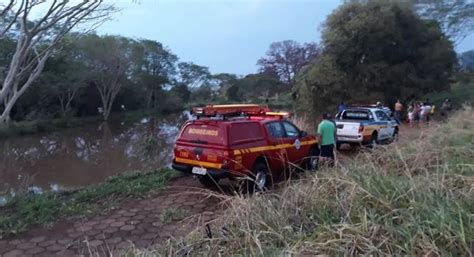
(411, 198)
(26, 210)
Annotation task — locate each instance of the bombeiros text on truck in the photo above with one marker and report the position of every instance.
(246, 141)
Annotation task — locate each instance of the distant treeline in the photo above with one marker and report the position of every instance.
(370, 51)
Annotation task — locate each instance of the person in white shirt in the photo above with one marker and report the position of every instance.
(426, 112)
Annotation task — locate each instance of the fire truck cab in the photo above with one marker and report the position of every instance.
(242, 141)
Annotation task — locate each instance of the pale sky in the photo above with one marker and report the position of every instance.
(225, 35)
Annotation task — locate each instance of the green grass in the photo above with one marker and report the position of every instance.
(405, 199)
(25, 210)
(172, 214)
(460, 93)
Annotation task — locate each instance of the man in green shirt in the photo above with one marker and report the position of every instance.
(327, 138)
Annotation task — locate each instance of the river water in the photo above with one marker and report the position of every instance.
(78, 157)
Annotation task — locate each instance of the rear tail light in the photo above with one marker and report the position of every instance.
(361, 128)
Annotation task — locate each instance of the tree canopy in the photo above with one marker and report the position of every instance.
(376, 51)
(285, 59)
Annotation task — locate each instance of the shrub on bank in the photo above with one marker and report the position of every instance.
(39, 126)
(413, 198)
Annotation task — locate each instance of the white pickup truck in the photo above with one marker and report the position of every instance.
(365, 126)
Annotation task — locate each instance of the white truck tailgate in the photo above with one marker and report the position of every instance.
(347, 128)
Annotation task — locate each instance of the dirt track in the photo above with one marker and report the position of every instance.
(137, 222)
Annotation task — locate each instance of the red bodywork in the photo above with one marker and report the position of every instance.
(230, 148)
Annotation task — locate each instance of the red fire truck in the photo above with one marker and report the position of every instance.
(242, 141)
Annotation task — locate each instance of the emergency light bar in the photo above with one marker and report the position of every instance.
(364, 105)
(230, 110)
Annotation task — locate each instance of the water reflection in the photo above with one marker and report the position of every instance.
(79, 157)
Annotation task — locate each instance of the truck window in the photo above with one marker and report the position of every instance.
(291, 130)
(355, 115)
(239, 132)
(381, 115)
(204, 134)
(275, 129)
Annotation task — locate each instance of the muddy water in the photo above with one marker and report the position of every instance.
(74, 158)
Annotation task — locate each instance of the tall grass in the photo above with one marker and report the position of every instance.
(413, 198)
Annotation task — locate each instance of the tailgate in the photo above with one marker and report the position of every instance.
(347, 128)
(202, 145)
(200, 156)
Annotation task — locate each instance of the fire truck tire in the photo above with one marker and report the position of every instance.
(259, 180)
(208, 181)
(312, 160)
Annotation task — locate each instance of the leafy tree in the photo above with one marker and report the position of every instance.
(7, 49)
(455, 17)
(64, 76)
(203, 94)
(373, 51)
(234, 93)
(181, 93)
(109, 60)
(193, 75)
(153, 67)
(222, 81)
(254, 87)
(285, 59)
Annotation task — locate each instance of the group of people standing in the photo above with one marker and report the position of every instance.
(421, 111)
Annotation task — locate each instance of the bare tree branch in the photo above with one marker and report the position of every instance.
(456, 17)
(6, 8)
(37, 39)
(9, 17)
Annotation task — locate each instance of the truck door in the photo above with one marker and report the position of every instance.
(297, 152)
(384, 120)
(278, 140)
(391, 125)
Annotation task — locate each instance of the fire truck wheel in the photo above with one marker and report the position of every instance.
(259, 180)
(312, 160)
(208, 181)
